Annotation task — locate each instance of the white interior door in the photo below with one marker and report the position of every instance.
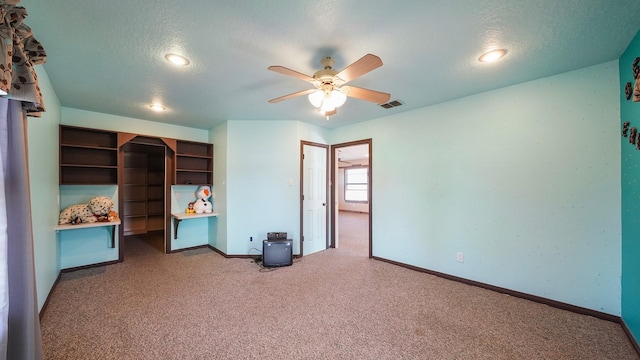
(314, 198)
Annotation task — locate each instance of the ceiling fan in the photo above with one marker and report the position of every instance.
(330, 91)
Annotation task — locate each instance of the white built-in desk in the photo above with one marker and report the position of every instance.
(177, 217)
(113, 225)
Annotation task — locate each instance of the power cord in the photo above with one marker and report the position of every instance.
(257, 259)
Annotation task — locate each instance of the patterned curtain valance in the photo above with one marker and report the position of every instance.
(19, 51)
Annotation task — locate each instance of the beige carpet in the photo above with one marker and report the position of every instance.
(353, 235)
(334, 304)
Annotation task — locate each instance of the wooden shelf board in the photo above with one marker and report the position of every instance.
(193, 171)
(90, 166)
(94, 147)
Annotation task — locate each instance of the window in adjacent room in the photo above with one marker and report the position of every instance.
(356, 184)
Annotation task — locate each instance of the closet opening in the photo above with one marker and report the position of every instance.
(144, 189)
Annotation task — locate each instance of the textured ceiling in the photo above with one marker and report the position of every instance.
(108, 56)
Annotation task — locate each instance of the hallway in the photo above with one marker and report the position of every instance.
(353, 233)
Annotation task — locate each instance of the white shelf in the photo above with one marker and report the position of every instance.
(86, 225)
(184, 216)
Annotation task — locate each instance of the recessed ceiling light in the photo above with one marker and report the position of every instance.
(177, 60)
(157, 107)
(492, 55)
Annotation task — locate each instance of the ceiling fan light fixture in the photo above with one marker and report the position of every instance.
(157, 107)
(327, 102)
(316, 97)
(338, 98)
(177, 60)
(492, 56)
(327, 106)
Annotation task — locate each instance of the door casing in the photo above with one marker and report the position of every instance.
(334, 181)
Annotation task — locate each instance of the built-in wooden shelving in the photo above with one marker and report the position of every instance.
(194, 163)
(142, 167)
(88, 156)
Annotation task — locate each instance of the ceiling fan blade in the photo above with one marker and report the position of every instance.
(360, 67)
(285, 97)
(286, 71)
(366, 94)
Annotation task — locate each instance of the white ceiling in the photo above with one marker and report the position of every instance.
(108, 56)
(355, 152)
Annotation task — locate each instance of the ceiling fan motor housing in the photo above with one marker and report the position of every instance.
(327, 62)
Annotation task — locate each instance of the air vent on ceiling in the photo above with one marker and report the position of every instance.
(391, 104)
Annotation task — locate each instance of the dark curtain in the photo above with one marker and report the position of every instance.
(20, 96)
(24, 341)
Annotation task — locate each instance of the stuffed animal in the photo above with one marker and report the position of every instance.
(189, 209)
(202, 205)
(98, 209)
(113, 216)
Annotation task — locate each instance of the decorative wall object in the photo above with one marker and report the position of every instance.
(633, 91)
(635, 67)
(632, 133)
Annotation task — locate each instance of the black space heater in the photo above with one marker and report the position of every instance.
(277, 250)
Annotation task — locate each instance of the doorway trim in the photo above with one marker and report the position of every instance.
(334, 181)
(327, 182)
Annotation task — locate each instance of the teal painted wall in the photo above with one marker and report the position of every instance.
(190, 232)
(96, 120)
(218, 137)
(80, 247)
(43, 176)
(312, 133)
(630, 165)
(523, 180)
(263, 181)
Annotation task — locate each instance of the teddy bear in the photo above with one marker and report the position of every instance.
(98, 209)
(203, 205)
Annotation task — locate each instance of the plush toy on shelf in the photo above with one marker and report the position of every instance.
(203, 205)
(98, 209)
(190, 209)
(113, 216)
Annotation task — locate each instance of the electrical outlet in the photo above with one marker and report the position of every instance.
(459, 257)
